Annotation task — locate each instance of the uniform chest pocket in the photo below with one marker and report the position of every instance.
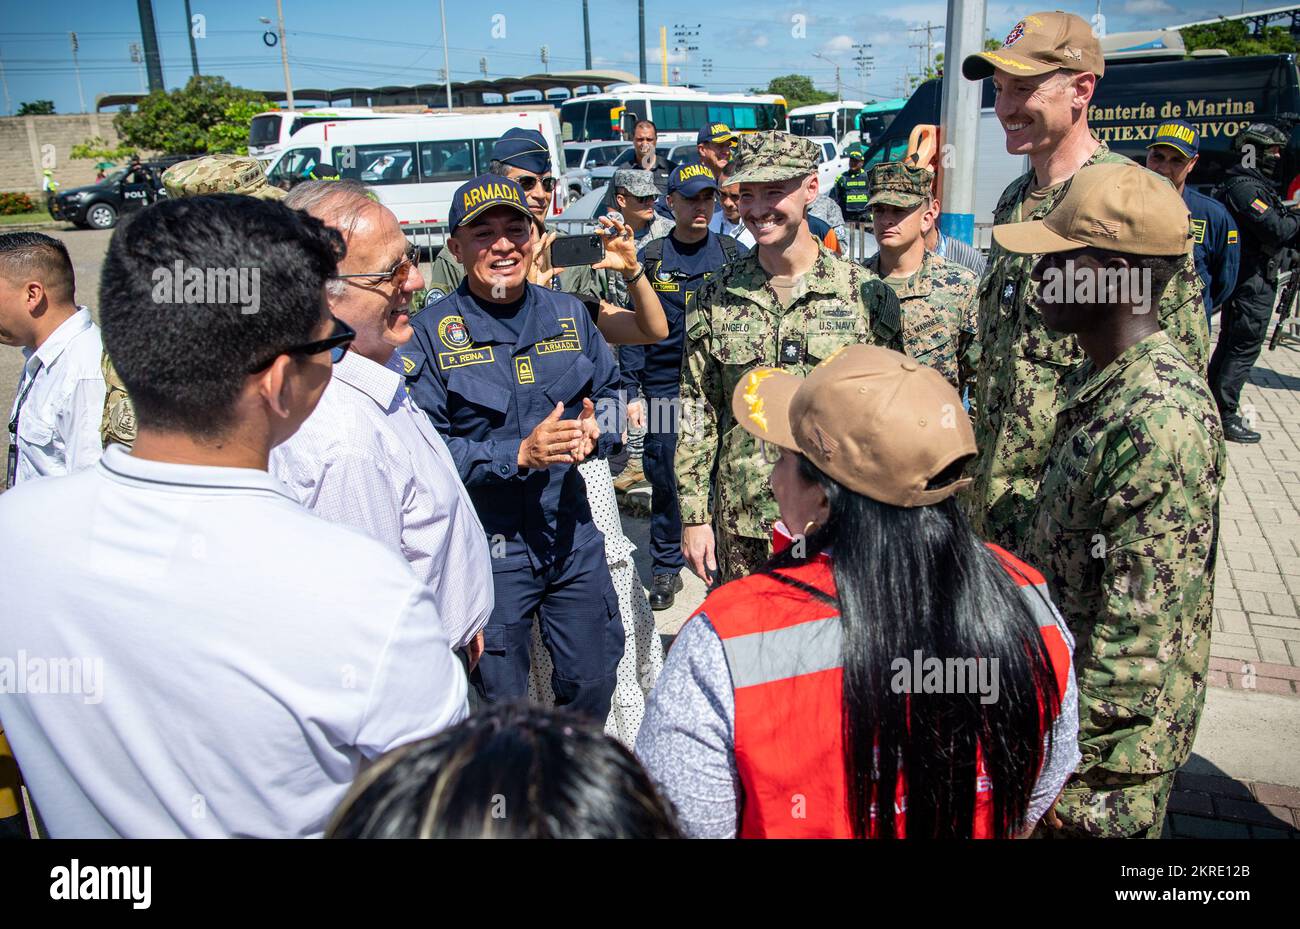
(479, 391)
(738, 347)
(34, 430)
(1067, 489)
(568, 383)
(822, 343)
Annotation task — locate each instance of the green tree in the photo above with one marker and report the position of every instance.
(36, 108)
(98, 149)
(206, 116)
(1235, 38)
(797, 89)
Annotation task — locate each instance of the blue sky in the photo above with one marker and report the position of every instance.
(334, 43)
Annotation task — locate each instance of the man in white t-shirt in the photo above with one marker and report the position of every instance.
(186, 651)
(55, 414)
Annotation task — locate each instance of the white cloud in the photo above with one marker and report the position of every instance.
(760, 41)
(652, 56)
(841, 43)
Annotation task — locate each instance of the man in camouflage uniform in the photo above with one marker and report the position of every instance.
(212, 174)
(1045, 76)
(937, 296)
(791, 302)
(1126, 530)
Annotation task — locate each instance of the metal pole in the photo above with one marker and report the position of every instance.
(284, 56)
(586, 32)
(640, 12)
(663, 52)
(446, 66)
(960, 116)
(149, 35)
(76, 66)
(3, 80)
(189, 28)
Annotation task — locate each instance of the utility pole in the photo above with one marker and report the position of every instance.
(640, 13)
(149, 36)
(928, 28)
(4, 81)
(663, 52)
(446, 64)
(189, 30)
(959, 120)
(829, 61)
(684, 35)
(546, 59)
(284, 55)
(137, 57)
(76, 66)
(482, 66)
(586, 32)
(863, 62)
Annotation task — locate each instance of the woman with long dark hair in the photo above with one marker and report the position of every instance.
(887, 674)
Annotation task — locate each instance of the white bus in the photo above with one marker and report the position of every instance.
(677, 112)
(835, 119)
(271, 132)
(414, 164)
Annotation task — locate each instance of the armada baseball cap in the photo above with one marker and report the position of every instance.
(523, 148)
(1116, 207)
(1039, 43)
(689, 180)
(474, 198)
(716, 132)
(1179, 136)
(879, 423)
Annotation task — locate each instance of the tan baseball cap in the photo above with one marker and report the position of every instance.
(1039, 43)
(1117, 207)
(878, 422)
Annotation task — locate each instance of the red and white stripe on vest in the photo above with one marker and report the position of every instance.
(783, 649)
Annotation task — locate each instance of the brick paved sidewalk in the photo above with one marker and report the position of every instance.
(1257, 588)
(1210, 807)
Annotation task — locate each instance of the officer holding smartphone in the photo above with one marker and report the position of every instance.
(513, 375)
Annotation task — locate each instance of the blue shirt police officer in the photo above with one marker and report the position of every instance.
(1215, 247)
(513, 376)
(677, 265)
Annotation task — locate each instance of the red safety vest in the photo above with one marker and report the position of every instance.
(783, 650)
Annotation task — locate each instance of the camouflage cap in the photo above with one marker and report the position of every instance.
(896, 183)
(219, 174)
(772, 156)
(637, 183)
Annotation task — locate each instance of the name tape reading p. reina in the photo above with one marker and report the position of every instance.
(192, 284)
(103, 882)
(32, 674)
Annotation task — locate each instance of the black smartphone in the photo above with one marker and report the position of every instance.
(568, 251)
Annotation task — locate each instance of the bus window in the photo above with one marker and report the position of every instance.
(573, 116)
(446, 161)
(483, 155)
(679, 117)
(722, 113)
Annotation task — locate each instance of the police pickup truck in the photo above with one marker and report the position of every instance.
(98, 206)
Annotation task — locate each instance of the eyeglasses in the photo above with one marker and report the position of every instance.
(394, 274)
(528, 182)
(336, 344)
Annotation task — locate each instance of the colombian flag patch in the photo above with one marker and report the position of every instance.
(1232, 236)
(1258, 205)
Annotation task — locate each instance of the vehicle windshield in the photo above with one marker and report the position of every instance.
(572, 158)
(265, 130)
(115, 176)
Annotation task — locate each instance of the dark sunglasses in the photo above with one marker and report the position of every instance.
(394, 274)
(336, 344)
(528, 182)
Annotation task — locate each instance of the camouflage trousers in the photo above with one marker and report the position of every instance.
(1101, 804)
(739, 555)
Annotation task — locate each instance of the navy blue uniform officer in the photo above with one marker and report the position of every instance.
(513, 376)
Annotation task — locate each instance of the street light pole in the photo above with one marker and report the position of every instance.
(189, 29)
(446, 65)
(284, 56)
(76, 66)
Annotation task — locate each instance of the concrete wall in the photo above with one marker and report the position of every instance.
(22, 152)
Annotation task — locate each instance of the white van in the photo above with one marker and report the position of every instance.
(415, 164)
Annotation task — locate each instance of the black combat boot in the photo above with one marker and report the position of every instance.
(661, 596)
(1234, 430)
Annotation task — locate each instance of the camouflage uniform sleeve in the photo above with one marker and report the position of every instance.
(966, 305)
(444, 276)
(1157, 487)
(701, 401)
(118, 424)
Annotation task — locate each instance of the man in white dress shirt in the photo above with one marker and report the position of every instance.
(54, 419)
(367, 456)
(185, 650)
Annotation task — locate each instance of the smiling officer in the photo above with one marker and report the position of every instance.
(510, 374)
